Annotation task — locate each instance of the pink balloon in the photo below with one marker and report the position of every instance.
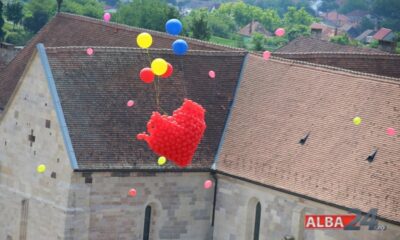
(130, 103)
(107, 17)
(280, 32)
(266, 55)
(207, 184)
(90, 51)
(132, 192)
(211, 74)
(391, 131)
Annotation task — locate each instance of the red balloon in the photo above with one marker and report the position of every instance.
(132, 192)
(169, 71)
(146, 75)
(176, 137)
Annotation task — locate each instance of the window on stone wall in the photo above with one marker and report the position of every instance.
(23, 226)
(147, 223)
(257, 222)
(253, 222)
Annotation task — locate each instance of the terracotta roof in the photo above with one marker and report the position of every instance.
(309, 45)
(84, 31)
(253, 27)
(278, 102)
(94, 90)
(371, 63)
(334, 17)
(327, 31)
(382, 33)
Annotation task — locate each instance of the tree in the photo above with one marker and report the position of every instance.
(199, 25)
(297, 30)
(59, 3)
(150, 14)
(258, 41)
(14, 12)
(221, 25)
(297, 17)
(1, 22)
(328, 5)
(36, 22)
(351, 5)
(365, 24)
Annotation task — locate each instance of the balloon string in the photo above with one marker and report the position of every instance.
(183, 80)
(156, 85)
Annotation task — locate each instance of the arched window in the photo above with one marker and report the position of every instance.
(253, 219)
(147, 223)
(257, 222)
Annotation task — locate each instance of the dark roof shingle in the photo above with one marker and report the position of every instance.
(93, 91)
(73, 30)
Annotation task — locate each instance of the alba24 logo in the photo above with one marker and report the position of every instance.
(352, 221)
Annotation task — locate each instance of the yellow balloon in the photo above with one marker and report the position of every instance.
(41, 168)
(159, 66)
(357, 121)
(162, 161)
(144, 40)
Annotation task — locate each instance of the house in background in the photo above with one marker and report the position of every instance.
(349, 30)
(322, 31)
(253, 27)
(336, 19)
(387, 40)
(366, 37)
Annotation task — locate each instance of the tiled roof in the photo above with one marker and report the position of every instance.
(254, 27)
(309, 45)
(372, 63)
(381, 34)
(94, 90)
(72, 30)
(279, 101)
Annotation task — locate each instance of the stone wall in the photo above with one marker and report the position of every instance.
(281, 214)
(42, 214)
(181, 207)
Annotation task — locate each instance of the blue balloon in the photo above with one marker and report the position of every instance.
(173, 26)
(180, 47)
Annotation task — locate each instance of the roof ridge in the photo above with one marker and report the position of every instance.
(341, 53)
(132, 28)
(140, 50)
(371, 76)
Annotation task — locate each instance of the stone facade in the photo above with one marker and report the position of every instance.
(181, 207)
(32, 205)
(281, 214)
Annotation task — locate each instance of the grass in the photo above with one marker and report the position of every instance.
(223, 41)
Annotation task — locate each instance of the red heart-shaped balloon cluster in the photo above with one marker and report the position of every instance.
(176, 137)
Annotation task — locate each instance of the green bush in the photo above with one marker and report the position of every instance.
(18, 38)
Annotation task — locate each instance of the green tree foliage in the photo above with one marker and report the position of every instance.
(14, 12)
(35, 22)
(90, 8)
(365, 24)
(279, 5)
(351, 5)
(198, 24)
(258, 41)
(297, 17)
(344, 40)
(297, 30)
(48, 6)
(297, 22)
(328, 5)
(390, 11)
(2, 33)
(243, 14)
(221, 25)
(150, 14)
